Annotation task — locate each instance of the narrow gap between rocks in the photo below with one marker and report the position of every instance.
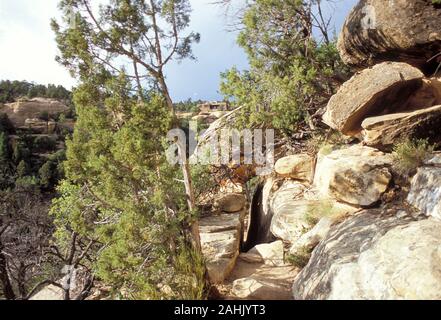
(257, 231)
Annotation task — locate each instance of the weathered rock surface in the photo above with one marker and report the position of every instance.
(356, 175)
(272, 254)
(388, 129)
(19, 111)
(288, 211)
(425, 191)
(374, 91)
(291, 221)
(40, 126)
(49, 293)
(371, 256)
(257, 281)
(400, 30)
(220, 238)
(230, 203)
(296, 167)
(310, 239)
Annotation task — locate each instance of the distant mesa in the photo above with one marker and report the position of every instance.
(36, 114)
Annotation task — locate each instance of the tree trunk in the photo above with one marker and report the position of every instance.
(190, 196)
(166, 93)
(4, 277)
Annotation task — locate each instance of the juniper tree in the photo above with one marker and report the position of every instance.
(119, 188)
(294, 63)
(142, 36)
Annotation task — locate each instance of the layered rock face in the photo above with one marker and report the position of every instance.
(372, 256)
(391, 250)
(19, 112)
(425, 191)
(378, 90)
(400, 30)
(356, 175)
(385, 104)
(221, 235)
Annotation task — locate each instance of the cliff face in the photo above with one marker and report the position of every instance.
(22, 110)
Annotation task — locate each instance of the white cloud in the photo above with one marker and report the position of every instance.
(27, 46)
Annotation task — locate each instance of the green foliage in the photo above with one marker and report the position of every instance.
(300, 258)
(20, 152)
(12, 90)
(316, 211)
(119, 189)
(44, 116)
(44, 143)
(187, 106)
(292, 74)
(22, 169)
(410, 154)
(5, 124)
(46, 174)
(4, 152)
(28, 183)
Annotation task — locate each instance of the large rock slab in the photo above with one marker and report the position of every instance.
(356, 175)
(272, 254)
(312, 238)
(297, 166)
(292, 220)
(220, 239)
(425, 190)
(400, 30)
(372, 256)
(387, 130)
(374, 91)
(233, 202)
(40, 126)
(18, 112)
(257, 281)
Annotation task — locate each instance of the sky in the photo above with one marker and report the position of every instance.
(28, 48)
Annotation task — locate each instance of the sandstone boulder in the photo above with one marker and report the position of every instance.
(310, 239)
(292, 220)
(230, 203)
(296, 167)
(400, 30)
(356, 175)
(379, 90)
(272, 253)
(425, 191)
(372, 256)
(220, 239)
(385, 131)
(257, 281)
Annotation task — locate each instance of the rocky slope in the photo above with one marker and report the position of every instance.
(344, 223)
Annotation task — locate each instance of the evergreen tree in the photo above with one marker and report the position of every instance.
(145, 34)
(22, 169)
(294, 64)
(119, 189)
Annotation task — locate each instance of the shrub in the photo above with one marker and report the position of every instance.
(300, 258)
(44, 143)
(22, 169)
(410, 154)
(316, 211)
